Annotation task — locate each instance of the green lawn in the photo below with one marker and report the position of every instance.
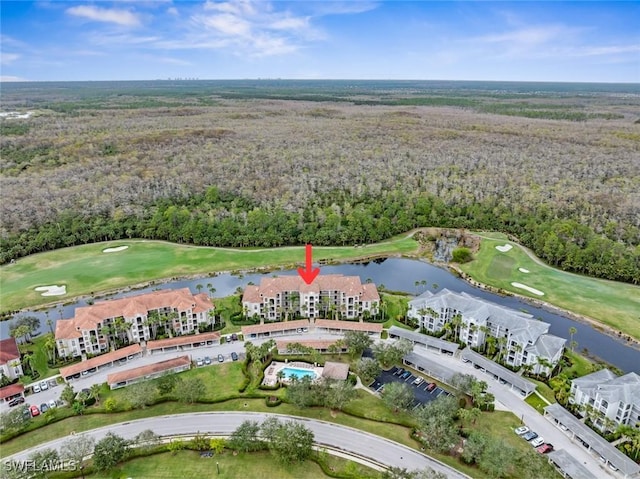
(39, 360)
(189, 464)
(536, 402)
(612, 303)
(87, 270)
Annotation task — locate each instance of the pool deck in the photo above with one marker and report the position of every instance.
(271, 373)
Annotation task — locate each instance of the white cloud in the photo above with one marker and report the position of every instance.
(172, 11)
(525, 36)
(252, 28)
(8, 58)
(226, 24)
(9, 78)
(120, 17)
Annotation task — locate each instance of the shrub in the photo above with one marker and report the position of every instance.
(273, 401)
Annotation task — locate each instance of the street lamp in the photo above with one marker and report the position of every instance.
(218, 466)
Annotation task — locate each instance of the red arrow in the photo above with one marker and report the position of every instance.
(309, 274)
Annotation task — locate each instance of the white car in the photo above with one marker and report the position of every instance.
(522, 430)
(537, 442)
(44, 385)
(36, 388)
(52, 403)
(199, 362)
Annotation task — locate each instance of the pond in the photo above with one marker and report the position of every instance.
(396, 275)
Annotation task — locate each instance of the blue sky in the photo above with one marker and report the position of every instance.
(136, 40)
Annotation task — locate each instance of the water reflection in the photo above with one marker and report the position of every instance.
(397, 275)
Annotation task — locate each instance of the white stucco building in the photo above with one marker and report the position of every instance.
(93, 327)
(329, 296)
(520, 338)
(608, 395)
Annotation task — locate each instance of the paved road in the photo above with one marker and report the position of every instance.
(224, 423)
(514, 402)
(511, 401)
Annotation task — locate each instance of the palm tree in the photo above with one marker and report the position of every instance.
(153, 321)
(280, 375)
(456, 323)
(94, 390)
(416, 283)
(434, 285)
(572, 331)
(50, 346)
(26, 361)
(212, 318)
(424, 283)
(199, 287)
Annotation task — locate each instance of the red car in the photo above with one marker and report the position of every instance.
(431, 387)
(34, 411)
(545, 448)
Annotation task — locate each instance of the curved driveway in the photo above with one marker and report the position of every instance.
(378, 449)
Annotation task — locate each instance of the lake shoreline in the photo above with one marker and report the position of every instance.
(620, 336)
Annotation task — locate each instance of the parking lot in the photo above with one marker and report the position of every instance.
(421, 390)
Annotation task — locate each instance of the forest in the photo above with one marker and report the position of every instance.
(212, 165)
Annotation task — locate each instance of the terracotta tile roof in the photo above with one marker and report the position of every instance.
(272, 327)
(142, 371)
(66, 329)
(11, 390)
(251, 294)
(100, 360)
(9, 350)
(318, 344)
(89, 317)
(270, 287)
(370, 292)
(334, 370)
(182, 340)
(349, 325)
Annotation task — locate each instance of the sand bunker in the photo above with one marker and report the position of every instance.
(53, 290)
(504, 248)
(528, 288)
(523, 270)
(114, 250)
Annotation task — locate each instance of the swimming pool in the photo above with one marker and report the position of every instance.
(298, 372)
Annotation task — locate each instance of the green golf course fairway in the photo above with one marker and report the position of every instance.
(87, 270)
(614, 304)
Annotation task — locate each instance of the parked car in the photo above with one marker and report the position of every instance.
(399, 372)
(522, 430)
(431, 387)
(199, 362)
(220, 358)
(529, 436)
(34, 411)
(545, 448)
(36, 388)
(26, 412)
(76, 376)
(234, 337)
(537, 442)
(207, 360)
(234, 356)
(405, 375)
(299, 330)
(52, 403)
(16, 401)
(43, 407)
(417, 381)
(44, 385)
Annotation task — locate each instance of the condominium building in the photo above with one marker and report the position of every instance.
(329, 296)
(94, 329)
(604, 395)
(517, 337)
(10, 358)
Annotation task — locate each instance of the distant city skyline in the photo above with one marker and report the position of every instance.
(357, 39)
